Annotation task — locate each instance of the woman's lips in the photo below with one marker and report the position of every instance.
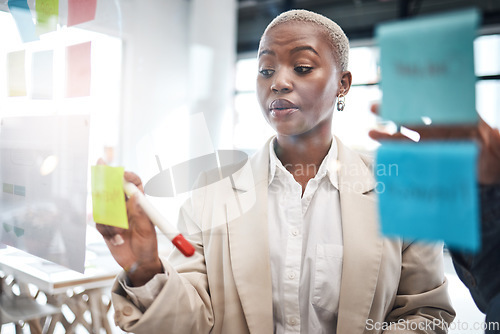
(277, 113)
(281, 108)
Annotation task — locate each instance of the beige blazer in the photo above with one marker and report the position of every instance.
(226, 286)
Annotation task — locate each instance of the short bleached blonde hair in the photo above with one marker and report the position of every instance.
(335, 34)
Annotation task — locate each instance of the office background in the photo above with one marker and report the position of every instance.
(172, 80)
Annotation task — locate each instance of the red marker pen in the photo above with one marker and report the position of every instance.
(159, 221)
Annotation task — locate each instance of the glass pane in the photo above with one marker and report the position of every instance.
(487, 55)
(488, 101)
(246, 74)
(363, 64)
(250, 128)
(353, 123)
(102, 101)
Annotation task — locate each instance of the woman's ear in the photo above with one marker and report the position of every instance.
(345, 82)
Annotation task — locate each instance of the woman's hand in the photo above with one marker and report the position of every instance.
(489, 157)
(135, 249)
(487, 137)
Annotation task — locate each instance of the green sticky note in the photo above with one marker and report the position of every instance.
(427, 67)
(47, 15)
(108, 199)
(8, 188)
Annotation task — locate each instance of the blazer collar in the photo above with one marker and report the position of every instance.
(255, 171)
(329, 166)
(362, 243)
(355, 172)
(249, 242)
(248, 230)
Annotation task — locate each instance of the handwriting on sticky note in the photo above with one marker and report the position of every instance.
(108, 199)
(47, 15)
(427, 69)
(433, 196)
(432, 69)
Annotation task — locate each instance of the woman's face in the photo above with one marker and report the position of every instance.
(299, 79)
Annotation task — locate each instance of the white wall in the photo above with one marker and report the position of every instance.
(178, 60)
(213, 29)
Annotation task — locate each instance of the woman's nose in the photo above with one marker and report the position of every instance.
(282, 83)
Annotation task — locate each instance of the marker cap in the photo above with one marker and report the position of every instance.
(183, 245)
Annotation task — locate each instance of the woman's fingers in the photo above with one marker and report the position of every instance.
(490, 138)
(380, 135)
(495, 142)
(431, 133)
(135, 179)
(138, 219)
(374, 108)
(111, 234)
(109, 231)
(447, 132)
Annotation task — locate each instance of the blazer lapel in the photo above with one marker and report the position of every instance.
(249, 243)
(362, 244)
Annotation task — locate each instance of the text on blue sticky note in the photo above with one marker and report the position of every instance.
(433, 194)
(427, 69)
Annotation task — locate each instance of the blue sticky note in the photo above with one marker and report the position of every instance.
(22, 16)
(428, 191)
(427, 68)
(42, 74)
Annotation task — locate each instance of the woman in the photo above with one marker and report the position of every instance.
(290, 243)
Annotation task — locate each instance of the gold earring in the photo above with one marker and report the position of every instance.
(341, 102)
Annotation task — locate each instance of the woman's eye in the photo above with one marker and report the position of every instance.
(303, 69)
(266, 72)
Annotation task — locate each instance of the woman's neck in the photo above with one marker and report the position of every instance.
(302, 155)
